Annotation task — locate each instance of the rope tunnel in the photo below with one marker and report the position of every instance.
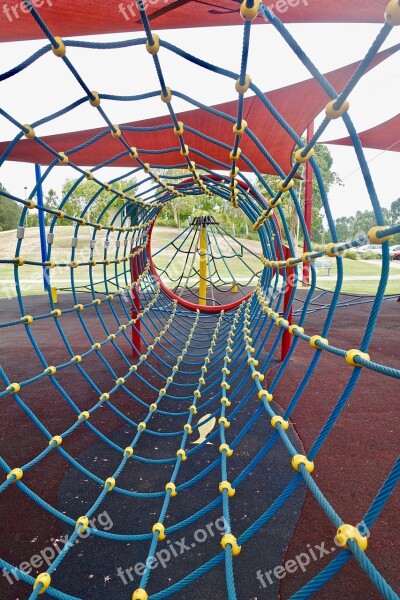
(137, 416)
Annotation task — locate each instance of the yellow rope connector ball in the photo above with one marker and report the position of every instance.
(62, 158)
(264, 394)
(248, 14)
(392, 14)
(317, 338)
(349, 532)
(257, 374)
(110, 481)
(182, 454)
(224, 421)
(13, 388)
(116, 132)
(44, 579)
(300, 459)
(242, 89)
(330, 250)
(226, 402)
(84, 416)
(296, 330)
(95, 101)
(236, 156)
(155, 46)
(50, 370)
(225, 485)
(60, 50)
(284, 188)
(303, 159)
(333, 113)
(27, 319)
(172, 488)
(141, 426)
(128, 452)
(277, 419)
(55, 441)
(168, 97)
(179, 130)
(228, 450)
(153, 407)
(16, 474)
(230, 539)
(56, 313)
(188, 428)
(159, 527)
(374, 239)
(240, 130)
(84, 522)
(30, 134)
(193, 409)
(351, 355)
(139, 594)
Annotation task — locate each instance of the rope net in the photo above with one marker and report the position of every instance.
(173, 397)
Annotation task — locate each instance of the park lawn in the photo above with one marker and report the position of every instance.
(368, 288)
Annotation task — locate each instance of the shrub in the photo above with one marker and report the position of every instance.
(370, 256)
(351, 254)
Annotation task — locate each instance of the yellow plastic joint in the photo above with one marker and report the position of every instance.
(153, 407)
(27, 319)
(392, 14)
(228, 450)
(159, 527)
(95, 101)
(317, 338)
(303, 159)
(330, 250)
(78, 307)
(306, 257)
(84, 416)
(224, 421)
(258, 375)
(284, 188)
(153, 48)
(116, 132)
(84, 522)
(351, 355)
(60, 50)
(172, 488)
(193, 409)
(139, 594)
(133, 153)
(248, 14)
(236, 156)
(168, 97)
(300, 459)
(188, 428)
(13, 388)
(264, 394)
(44, 579)
(16, 473)
(50, 370)
(110, 482)
(295, 330)
(30, 133)
(185, 151)
(182, 454)
(226, 402)
(76, 359)
(225, 485)
(242, 89)
(333, 113)
(141, 426)
(349, 532)
(128, 452)
(180, 129)
(240, 130)
(374, 239)
(230, 539)
(62, 158)
(275, 420)
(55, 441)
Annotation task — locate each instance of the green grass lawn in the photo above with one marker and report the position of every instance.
(31, 277)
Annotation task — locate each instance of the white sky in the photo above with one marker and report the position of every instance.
(47, 86)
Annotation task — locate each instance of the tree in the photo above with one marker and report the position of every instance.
(325, 161)
(10, 212)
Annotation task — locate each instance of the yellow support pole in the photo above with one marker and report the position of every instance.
(203, 267)
(235, 289)
(54, 295)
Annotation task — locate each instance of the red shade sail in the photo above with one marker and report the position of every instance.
(87, 17)
(385, 136)
(299, 104)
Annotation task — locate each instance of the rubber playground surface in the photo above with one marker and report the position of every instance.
(350, 469)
